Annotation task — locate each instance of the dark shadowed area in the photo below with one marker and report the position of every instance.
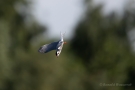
(99, 56)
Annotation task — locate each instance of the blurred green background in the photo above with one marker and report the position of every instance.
(100, 51)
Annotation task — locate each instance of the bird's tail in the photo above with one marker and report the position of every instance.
(62, 34)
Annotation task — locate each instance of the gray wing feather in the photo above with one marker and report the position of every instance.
(48, 47)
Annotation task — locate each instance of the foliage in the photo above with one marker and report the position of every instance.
(102, 44)
(98, 53)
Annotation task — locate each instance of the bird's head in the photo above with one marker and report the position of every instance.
(57, 53)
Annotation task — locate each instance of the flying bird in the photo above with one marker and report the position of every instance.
(53, 46)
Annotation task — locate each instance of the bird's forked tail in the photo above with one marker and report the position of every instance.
(62, 34)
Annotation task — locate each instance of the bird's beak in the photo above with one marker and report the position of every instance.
(65, 42)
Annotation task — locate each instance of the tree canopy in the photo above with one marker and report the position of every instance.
(99, 52)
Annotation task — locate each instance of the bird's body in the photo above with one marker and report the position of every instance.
(53, 46)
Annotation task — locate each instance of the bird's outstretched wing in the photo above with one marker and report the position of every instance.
(48, 47)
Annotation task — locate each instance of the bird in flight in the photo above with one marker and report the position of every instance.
(53, 46)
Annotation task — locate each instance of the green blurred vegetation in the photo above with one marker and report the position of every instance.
(99, 52)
